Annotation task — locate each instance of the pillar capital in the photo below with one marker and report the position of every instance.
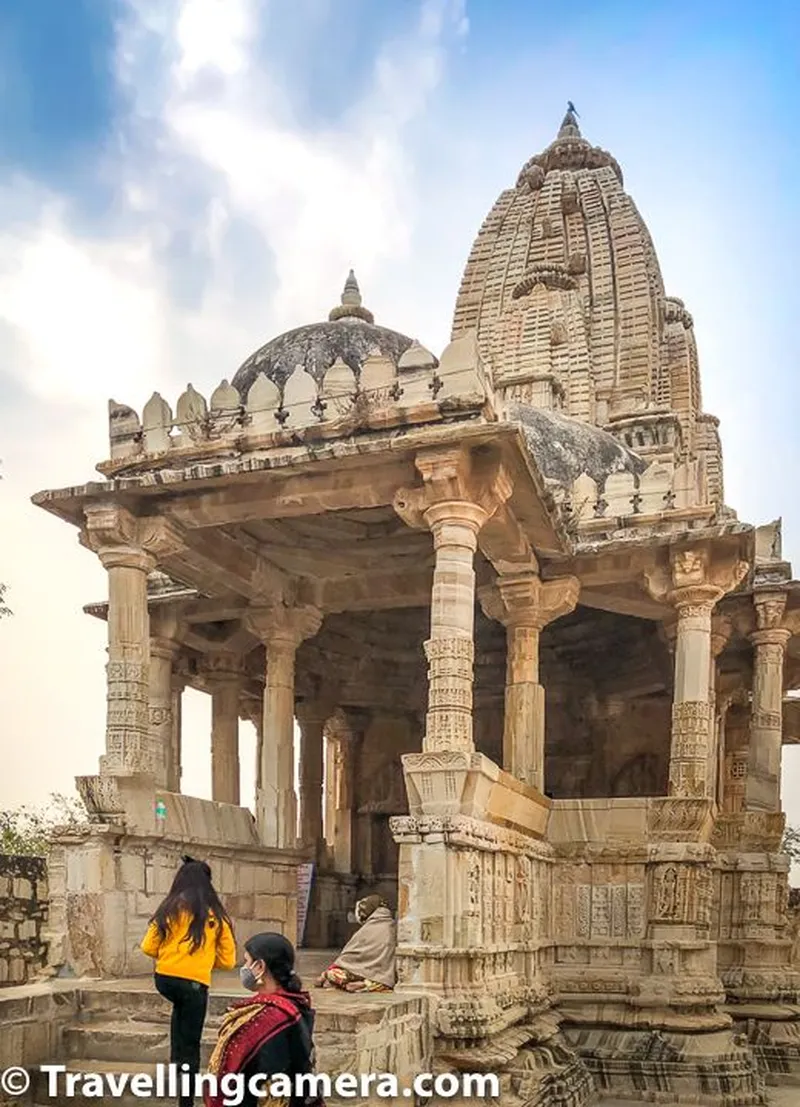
(524, 600)
(769, 609)
(771, 636)
(313, 712)
(693, 581)
(458, 487)
(222, 668)
(122, 539)
(278, 624)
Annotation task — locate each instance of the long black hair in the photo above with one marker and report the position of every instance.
(277, 953)
(191, 891)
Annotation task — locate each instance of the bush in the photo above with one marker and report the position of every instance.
(26, 831)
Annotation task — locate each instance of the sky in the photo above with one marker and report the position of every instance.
(181, 180)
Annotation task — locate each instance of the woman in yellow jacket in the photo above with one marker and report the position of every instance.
(189, 936)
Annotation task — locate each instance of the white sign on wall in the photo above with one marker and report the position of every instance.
(305, 879)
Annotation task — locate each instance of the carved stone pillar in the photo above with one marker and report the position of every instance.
(454, 503)
(252, 710)
(164, 650)
(223, 673)
(693, 584)
(450, 648)
(281, 629)
(347, 748)
(524, 604)
(766, 728)
(128, 549)
(721, 630)
(737, 754)
(330, 795)
(312, 718)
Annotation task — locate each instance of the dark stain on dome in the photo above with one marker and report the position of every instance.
(563, 448)
(316, 347)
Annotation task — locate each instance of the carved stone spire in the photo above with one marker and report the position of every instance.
(351, 306)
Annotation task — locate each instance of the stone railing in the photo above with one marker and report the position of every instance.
(23, 916)
(658, 490)
(383, 393)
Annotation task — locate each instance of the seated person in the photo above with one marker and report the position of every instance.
(367, 963)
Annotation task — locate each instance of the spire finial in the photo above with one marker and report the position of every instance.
(352, 293)
(351, 305)
(569, 124)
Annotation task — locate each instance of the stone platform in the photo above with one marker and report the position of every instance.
(122, 1026)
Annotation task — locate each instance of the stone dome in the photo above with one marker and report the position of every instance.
(349, 334)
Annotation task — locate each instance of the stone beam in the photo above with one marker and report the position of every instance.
(377, 591)
(216, 559)
(220, 610)
(504, 544)
(624, 601)
(306, 494)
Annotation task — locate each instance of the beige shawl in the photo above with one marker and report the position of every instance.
(370, 952)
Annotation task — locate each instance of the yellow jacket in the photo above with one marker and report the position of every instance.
(173, 954)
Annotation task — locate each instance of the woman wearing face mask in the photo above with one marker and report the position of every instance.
(189, 936)
(367, 962)
(270, 1033)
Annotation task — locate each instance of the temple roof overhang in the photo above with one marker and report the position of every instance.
(316, 523)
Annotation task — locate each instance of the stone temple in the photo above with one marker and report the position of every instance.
(539, 670)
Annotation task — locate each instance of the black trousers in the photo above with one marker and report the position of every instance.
(189, 1005)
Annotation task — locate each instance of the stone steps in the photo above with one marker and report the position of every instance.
(125, 1029)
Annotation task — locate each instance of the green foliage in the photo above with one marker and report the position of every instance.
(26, 831)
(791, 843)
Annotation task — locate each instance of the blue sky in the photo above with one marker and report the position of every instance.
(181, 179)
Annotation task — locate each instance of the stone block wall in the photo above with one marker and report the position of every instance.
(105, 887)
(23, 917)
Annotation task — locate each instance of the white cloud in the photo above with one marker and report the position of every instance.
(214, 34)
(88, 315)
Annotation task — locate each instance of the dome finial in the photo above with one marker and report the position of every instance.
(352, 293)
(569, 124)
(351, 306)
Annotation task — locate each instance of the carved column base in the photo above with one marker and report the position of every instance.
(533, 1062)
(451, 783)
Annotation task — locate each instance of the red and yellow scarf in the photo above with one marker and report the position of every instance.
(244, 1029)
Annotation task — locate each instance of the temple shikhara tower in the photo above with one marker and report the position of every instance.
(537, 668)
